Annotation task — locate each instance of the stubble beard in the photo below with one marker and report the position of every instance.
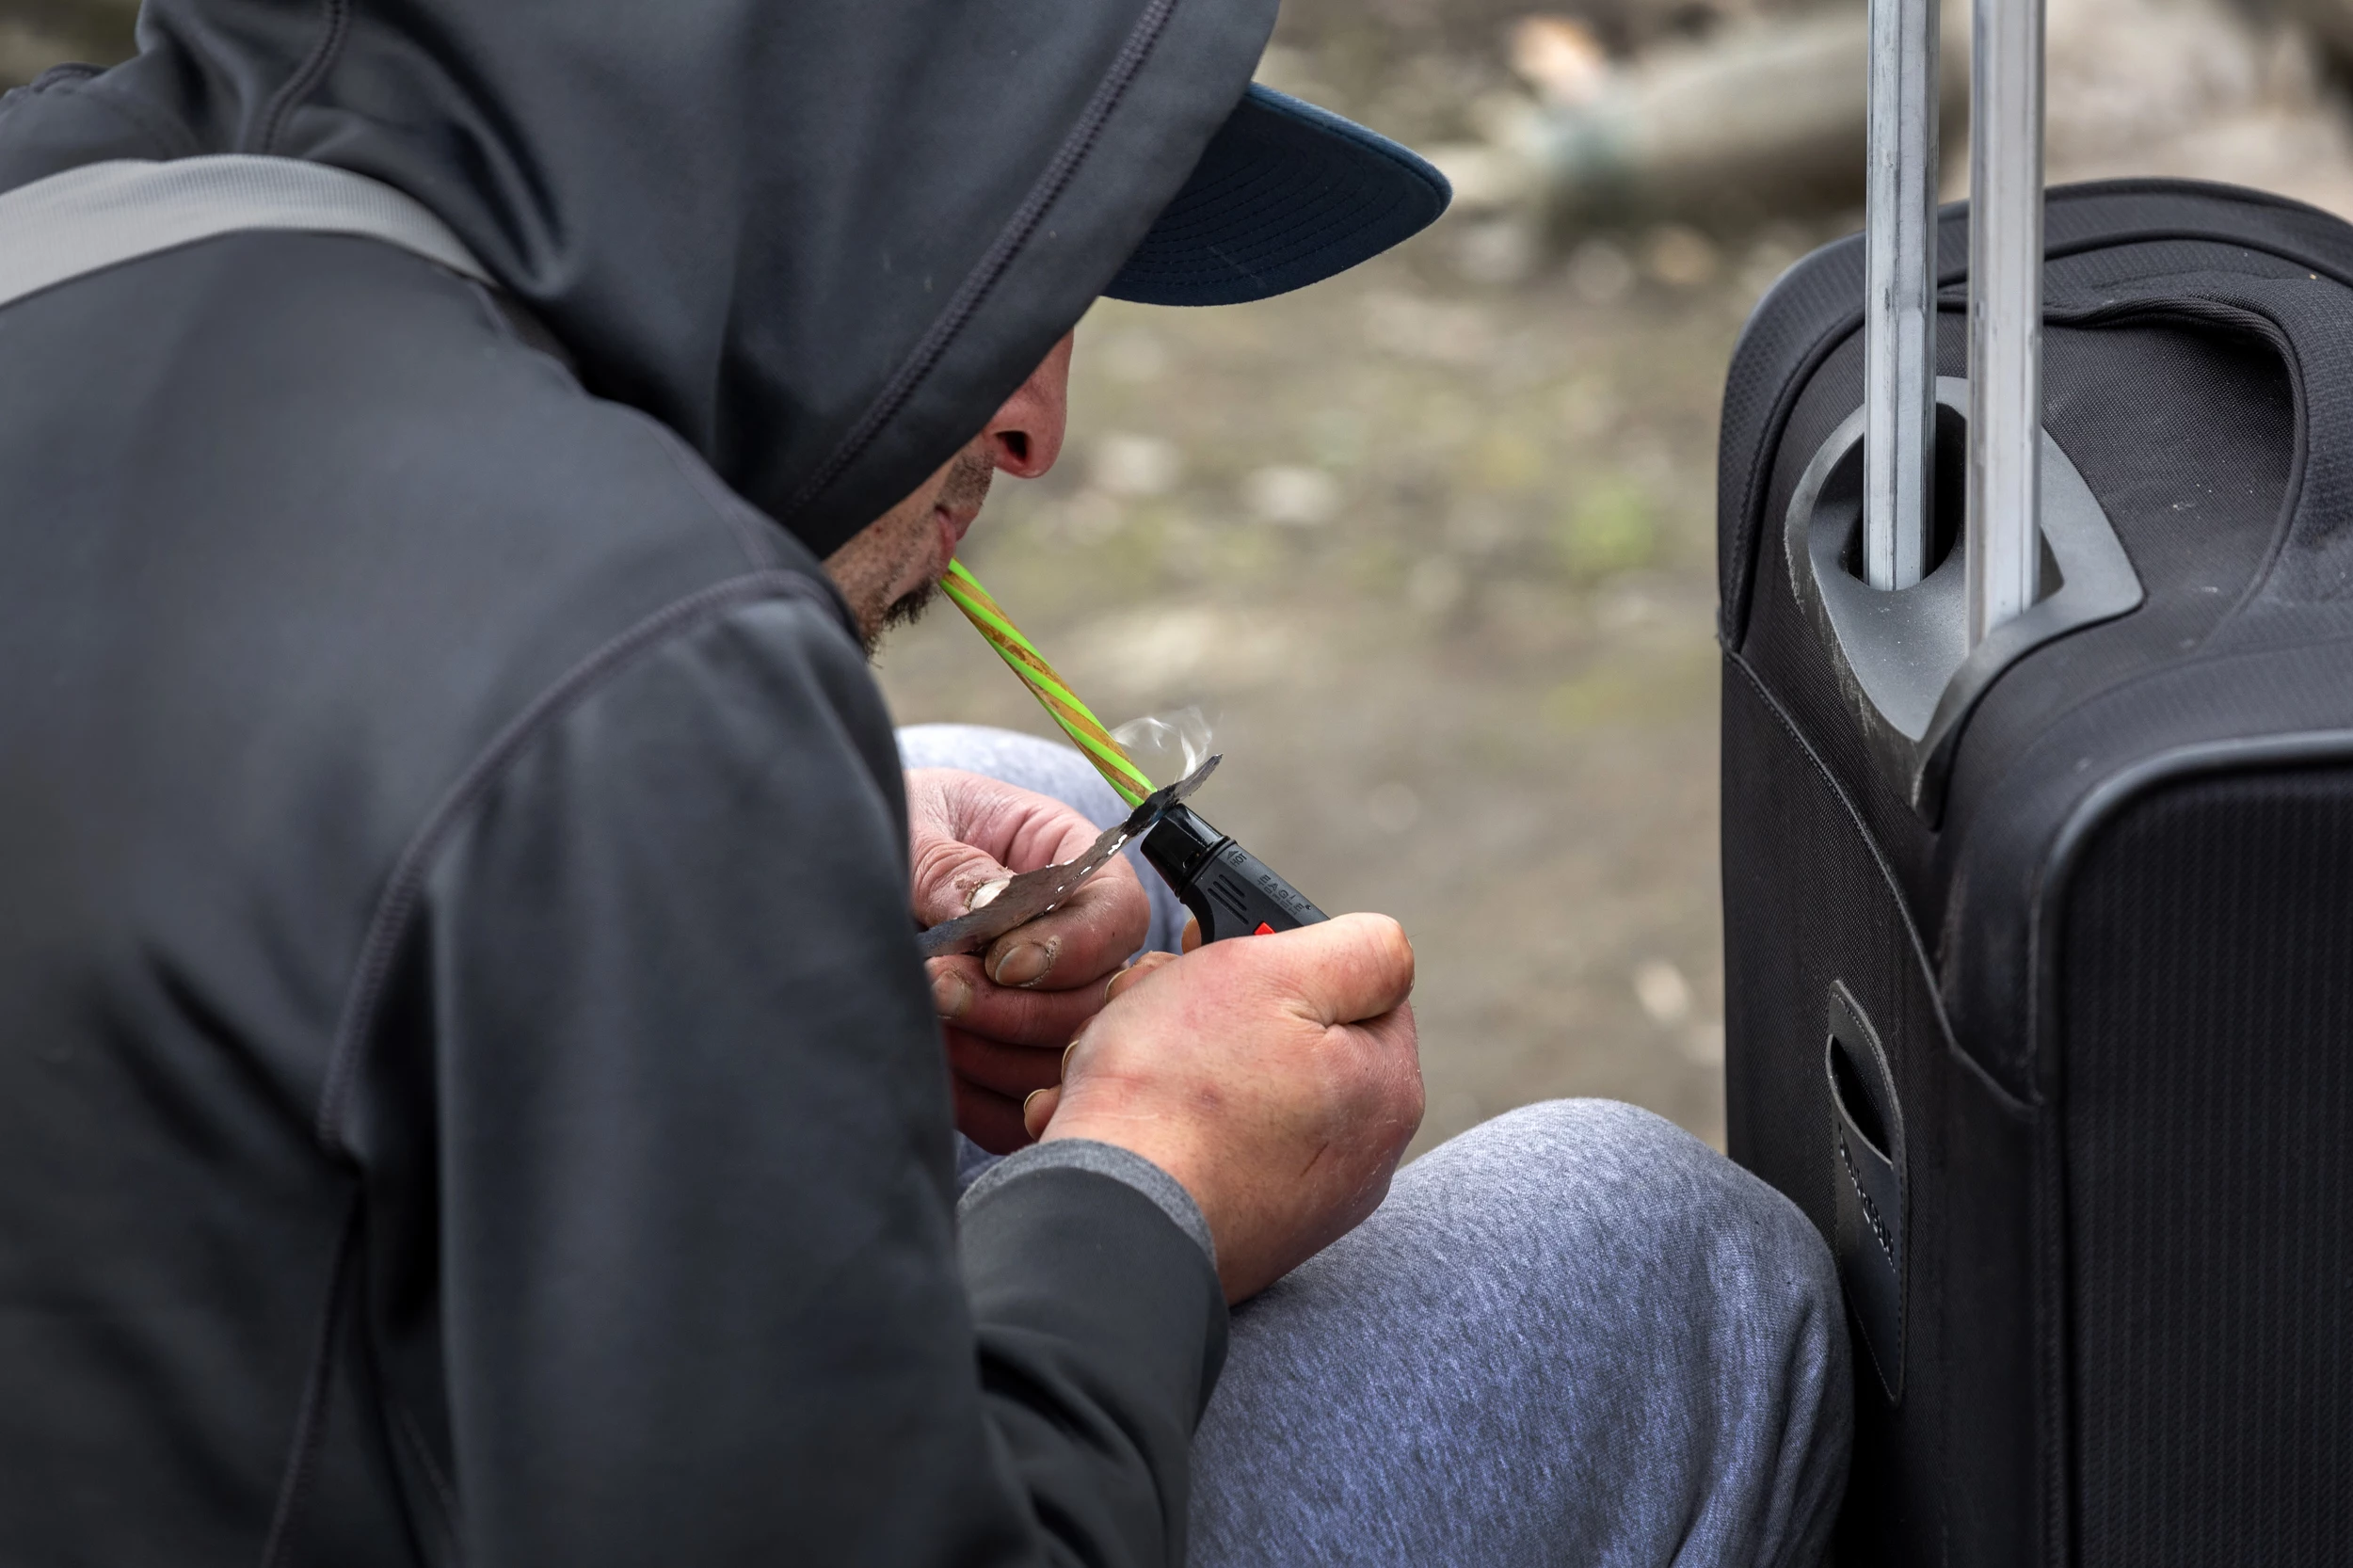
(966, 487)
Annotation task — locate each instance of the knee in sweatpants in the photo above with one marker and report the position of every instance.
(1761, 1344)
(1656, 1331)
(1629, 1167)
(1692, 1248)
(1048, 767)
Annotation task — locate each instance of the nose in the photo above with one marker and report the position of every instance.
(1025, 435)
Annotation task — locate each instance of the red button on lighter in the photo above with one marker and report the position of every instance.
(1264, 930)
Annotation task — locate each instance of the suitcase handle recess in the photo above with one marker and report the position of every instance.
(1867, 1138)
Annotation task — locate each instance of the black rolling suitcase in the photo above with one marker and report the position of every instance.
(2038, 841)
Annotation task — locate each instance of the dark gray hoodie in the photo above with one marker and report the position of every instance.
(468, 1091)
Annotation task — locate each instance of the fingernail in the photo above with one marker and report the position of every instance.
(1023, 964)
(950, 994)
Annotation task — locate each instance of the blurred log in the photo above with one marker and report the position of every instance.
(36, 35)
(1764, 116)
(2327, 23)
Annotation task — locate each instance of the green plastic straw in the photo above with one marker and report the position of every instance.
(1053, 693)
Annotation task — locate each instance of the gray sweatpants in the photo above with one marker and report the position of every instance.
(1574, 1334)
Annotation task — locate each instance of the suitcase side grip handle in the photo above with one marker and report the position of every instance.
(1867, 1150)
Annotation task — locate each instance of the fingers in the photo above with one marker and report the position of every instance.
(961, 836)
(1018, 827)
(1082, 941)
(1192, 938)
(1388, 1107)
(991, 1120)
(1031, 1058)
(1349, 968)
(965, 831)
(945, 873)
(963, 996)
(1134, 972)
(1393, 1032)
(1013, 1071)
(1276, 1078)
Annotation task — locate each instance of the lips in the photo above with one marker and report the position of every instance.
(954, 523)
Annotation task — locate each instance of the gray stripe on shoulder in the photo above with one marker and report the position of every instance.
(102, 214)
(1106, 1160)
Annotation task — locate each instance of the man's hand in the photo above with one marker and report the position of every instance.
(1009, 1011)
(1276, 1077)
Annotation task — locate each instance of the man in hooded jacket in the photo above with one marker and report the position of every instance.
(469, 1092)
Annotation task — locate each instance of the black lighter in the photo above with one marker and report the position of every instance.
(1230, 890)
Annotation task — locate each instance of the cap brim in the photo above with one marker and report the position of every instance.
(1285, 195)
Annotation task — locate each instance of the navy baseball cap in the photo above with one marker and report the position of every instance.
(1285, 195)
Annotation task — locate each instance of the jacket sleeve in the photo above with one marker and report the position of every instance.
(703, 1297)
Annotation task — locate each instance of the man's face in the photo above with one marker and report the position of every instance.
(888, 569)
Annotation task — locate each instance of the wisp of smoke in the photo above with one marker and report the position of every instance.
(1166, 746)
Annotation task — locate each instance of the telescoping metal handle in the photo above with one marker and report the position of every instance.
(1899, 313)
(2005, 303)
(2005, 311)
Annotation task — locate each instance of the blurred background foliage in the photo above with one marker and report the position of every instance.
(36, 35)
(1432, 544)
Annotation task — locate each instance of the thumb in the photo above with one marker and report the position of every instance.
(945, 873)
(1343, 969)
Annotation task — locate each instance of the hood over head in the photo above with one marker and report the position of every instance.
(822, 239)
